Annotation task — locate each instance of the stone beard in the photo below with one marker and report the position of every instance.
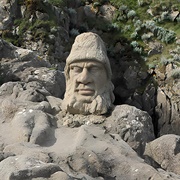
(99, 104)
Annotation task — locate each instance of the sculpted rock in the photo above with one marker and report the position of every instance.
(89, 91)
(32, 91)
(18, 111)
(55, 103)
(88, 77)
(52, 80)
(30, 161)
(87, 153)
(84, 135)
(24, 148)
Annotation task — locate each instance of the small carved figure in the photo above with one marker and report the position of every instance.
(89, 89)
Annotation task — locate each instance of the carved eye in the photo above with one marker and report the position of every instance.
(94, 69)
(76, 69)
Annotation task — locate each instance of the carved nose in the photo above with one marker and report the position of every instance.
(84, 77)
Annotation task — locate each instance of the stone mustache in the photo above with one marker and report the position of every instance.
(89, 89)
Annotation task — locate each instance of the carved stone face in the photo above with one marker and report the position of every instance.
(88, 79)
(89, 89)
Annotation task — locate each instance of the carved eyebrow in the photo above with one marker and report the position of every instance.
(75, 65)
(95, 66)
(88, 66)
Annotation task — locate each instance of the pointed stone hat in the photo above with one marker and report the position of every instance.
(89, 46)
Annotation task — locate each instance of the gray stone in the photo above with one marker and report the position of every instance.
(60, 175)
(174, 15)
(34, 126)
(3, 14)
(133, 125)
(55, 103)
(107, 11)
(167, 110)
(24, 148)
(91, 150)
(24, 167)
(148, 99)
(52, 80)
(130, 76)
(88, 11)
(156, 48)
(25, 70)
(165, 151)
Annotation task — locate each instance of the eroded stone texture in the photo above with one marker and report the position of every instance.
(168, 110)
(24, 167)
(18, 64)
(133, 125)
(165, 151)
(40, 141)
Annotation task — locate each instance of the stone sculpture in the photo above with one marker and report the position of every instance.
(89, 89)
(36, 143)
(89, 92)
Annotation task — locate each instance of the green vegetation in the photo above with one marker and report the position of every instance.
(40, 30)
(131, 24)
(176, 73)
(141, 23)
(60, 3)
(139, 27)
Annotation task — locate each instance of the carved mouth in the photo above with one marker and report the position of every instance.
(86, 92)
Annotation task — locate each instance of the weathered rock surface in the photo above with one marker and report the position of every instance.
(35, 144)
(130, 79)
(85, 152)
(133, 125)
(165, 152)
(39, 141)
(21, 65)
(22, 167)
(168, 109)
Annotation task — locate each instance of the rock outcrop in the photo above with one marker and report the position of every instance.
(49, 31)
(165, 152)
(40, 141)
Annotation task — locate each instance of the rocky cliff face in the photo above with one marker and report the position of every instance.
(50, 31)
(43, 142)
(40, 141)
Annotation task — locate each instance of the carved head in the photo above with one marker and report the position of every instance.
(89, 89)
